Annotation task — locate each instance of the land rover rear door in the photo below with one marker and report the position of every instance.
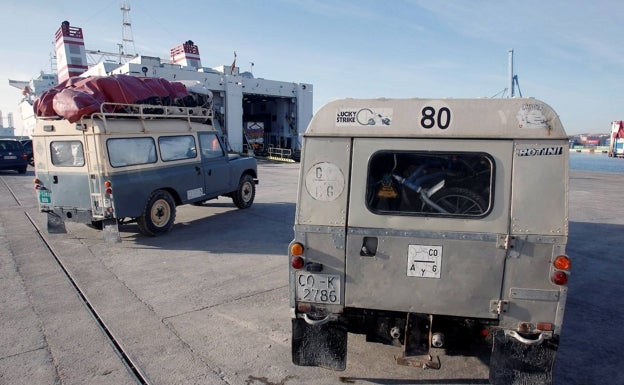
(63, 170)
(448, 257)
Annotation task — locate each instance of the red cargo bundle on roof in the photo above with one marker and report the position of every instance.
(156, 86)
(78, 96)
(43, 104)
(72, 104)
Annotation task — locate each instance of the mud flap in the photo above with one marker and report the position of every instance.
(516, 363)
(55, 225)
(319, 345)
(111, 231)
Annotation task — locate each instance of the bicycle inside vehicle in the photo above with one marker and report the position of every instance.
(430, 183)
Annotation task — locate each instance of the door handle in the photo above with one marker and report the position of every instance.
(55, 179)
(198, 170)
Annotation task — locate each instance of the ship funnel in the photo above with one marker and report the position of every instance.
(186, 55)
(71, 57)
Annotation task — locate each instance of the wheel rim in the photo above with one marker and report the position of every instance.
(246, 192)
(160, 213)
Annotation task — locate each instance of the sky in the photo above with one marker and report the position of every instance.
(567, 53)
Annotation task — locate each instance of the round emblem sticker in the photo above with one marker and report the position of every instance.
(324, 182)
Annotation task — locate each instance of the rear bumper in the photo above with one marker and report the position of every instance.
(73, 215)
(13, 165)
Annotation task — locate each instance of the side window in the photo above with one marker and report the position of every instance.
(131, 151)
(210, 146)
(177, 147)
(456, 184)
(67, 153)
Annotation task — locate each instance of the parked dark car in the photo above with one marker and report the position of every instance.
(28, 147)
(13, 156)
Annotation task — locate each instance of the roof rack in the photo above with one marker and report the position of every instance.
(149, 111)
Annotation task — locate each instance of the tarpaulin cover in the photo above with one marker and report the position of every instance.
(79, 96)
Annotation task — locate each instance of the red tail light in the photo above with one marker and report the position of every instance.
(562, 265)
(559, 278)
(296, 250)
(108, 186)
(297, 262)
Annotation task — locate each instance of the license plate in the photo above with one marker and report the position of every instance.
(44, 196)
(319, 288)
(10, 157)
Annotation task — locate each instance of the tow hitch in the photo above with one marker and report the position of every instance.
(416, 347)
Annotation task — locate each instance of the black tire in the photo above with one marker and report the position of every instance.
(31, 161)
(458, 200)
(22, 170)
(244, 196)
(158, 215)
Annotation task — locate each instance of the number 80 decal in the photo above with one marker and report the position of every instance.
(432, 118)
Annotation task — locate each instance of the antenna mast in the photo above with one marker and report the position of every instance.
(127, 46)
(513, 79)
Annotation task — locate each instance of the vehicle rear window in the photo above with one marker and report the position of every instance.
(10, 145)
(67, 153)
(131, 151)
(424, 183)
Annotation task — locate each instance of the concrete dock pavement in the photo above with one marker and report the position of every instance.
(47, 334)
(207, 302)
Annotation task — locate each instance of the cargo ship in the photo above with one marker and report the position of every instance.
(256, 115)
